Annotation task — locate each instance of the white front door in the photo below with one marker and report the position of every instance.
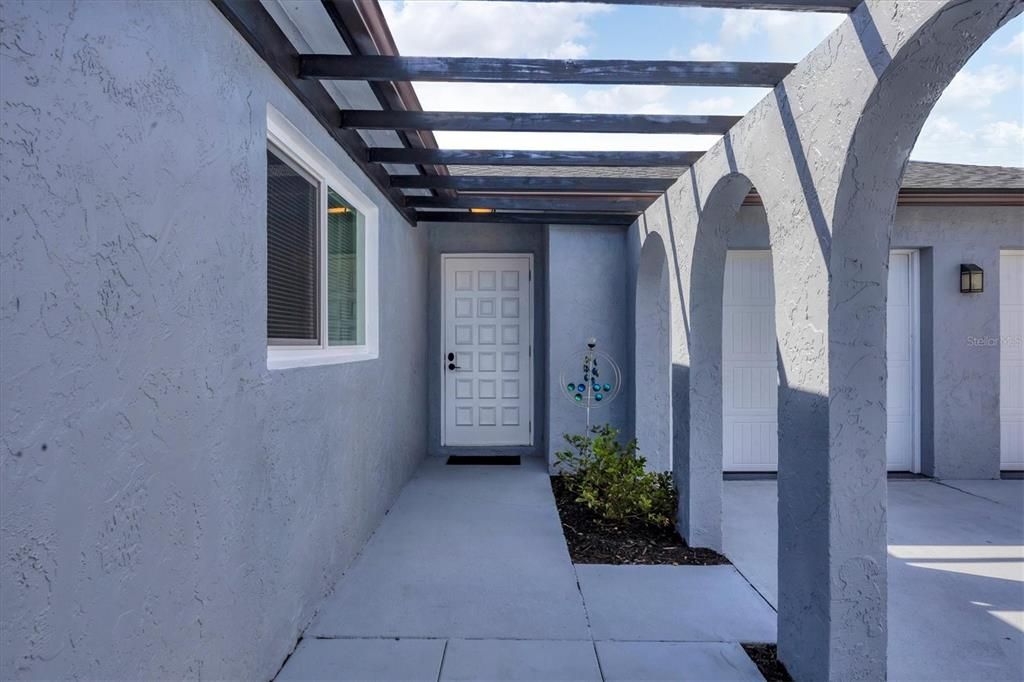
(750, 378)
(487, 365)
(750, 440)
(901, 444)
(1011, 359)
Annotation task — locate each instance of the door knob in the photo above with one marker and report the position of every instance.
(452, 365)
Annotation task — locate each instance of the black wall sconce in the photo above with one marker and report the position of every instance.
(972, 279)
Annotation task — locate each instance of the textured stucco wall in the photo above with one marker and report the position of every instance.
(588, 298)
(826, 150)
(487, 238)
(170, 508)
(652, 366)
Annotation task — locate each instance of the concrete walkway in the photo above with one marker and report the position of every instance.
(468, 578)
(956, 572)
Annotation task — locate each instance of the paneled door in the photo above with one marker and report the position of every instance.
(486, 350)
(902, 343)
(1011, 359)
(750, 377)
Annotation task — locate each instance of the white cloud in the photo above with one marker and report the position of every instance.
(1004, 135)
(974, 89)
(715, 105)
(706, 52)
(496, 97)
(1016, 44)
(490, 29)
(946, 139)
(777, 35)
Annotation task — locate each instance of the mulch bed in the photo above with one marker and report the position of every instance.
(766, 658)
(593, 540)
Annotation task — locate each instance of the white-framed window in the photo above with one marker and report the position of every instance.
(322, 268)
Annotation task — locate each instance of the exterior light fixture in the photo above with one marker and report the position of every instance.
(972, 279)
(337, 209)
(481, 210)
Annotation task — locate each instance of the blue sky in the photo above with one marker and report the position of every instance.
(980, 118)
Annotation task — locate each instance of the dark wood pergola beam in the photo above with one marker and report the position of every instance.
(790, 5)
(364, 32)
(547, 217)
(511, 183)
(589, 71)
(265, 37)
(534, 122)
(508, 157)
(561, 204)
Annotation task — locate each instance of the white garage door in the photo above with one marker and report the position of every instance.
(750, 378)
(1011, 359)
(750, 372)
(902, 358)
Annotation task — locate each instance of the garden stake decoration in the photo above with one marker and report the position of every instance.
(590, 378)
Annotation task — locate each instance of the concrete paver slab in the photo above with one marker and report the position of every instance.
(677, 603)
(955, 572)
(364, 659)
(638, 661)
(1009, 492)
(511, 659)
(468, 551)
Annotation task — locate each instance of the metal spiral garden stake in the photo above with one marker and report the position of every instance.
(590, 378)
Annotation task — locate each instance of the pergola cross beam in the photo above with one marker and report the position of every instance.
(363, 119)
(516, 157)
(514, 183)
(588, 71)
(840, 6)
(599, 197)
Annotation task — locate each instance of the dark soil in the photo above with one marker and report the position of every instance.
(766, 658)
(594, 540)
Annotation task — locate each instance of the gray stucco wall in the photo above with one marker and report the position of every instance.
(588, 283)
(170, 508)
(959, 372)
(487, 238)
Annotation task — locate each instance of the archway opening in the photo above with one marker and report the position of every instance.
(653, 361)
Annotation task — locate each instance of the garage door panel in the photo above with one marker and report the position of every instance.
(745, 332)
(899, 400)
(899, 347)
(1011, 359)
(753, 445)
(752, 389)
(750, 380)
(900, 432)
(901, 362)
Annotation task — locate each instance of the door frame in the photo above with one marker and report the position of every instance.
(915, 328)
(442, 292)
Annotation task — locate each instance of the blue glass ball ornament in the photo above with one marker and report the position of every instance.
(571, 387)
(578, 397)
(597, 387)
(581, 388)
(607, 387)
(599, 397)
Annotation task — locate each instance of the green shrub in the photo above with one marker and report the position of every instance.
(610, 479)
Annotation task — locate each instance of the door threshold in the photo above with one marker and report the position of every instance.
(484, 460)
(749, 475)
